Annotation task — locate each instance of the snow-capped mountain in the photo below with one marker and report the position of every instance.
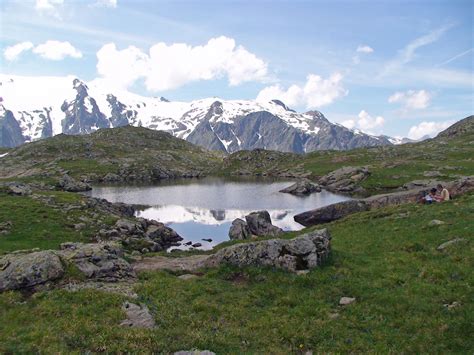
(39, 107)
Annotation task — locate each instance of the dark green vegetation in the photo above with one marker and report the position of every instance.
(387, 259)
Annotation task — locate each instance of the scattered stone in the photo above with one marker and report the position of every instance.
(111, 177)
(5, 227)
(137, 316)
(436, 222)
(331, 213)
(302, 187)
(302, 272)
(239, 230)
(194, 352)
(344, 301)
(449, 243)
(434, 173)
(187, 277)
(334, 315)
(188, 243)
(260, 224)
(125, 288)
(20, 271)
(79, 226)
(18, 189)
(451, 306)
(197, 245)
(68, 183)
(209, 240)
(302, 253)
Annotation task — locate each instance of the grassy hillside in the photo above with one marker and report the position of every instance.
(129, 150)
(386, 259)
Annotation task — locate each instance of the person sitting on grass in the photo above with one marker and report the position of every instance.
(443, 194)
(430, 197)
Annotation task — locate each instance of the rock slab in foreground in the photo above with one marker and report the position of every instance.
(302, 187)
(305, 252)
(137, 316)
(256, 223)
(18, 271)
(331, 212)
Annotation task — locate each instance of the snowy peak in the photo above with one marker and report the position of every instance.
(46, 106)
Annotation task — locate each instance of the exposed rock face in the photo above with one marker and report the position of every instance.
(331, 213)
(260, 224)
(346, 179)
(239, 230)
(82, 114)
(20, 189)
(302, 253)
(302, 187)
(120, 115)
(142, 235)
(98, 261)
(459, 128)
(10, 131)
(67, 183)
(18, 271)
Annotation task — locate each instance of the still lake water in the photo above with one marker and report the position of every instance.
(205, 208)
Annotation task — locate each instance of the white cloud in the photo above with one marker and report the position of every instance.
(47, 4)
(412, 99)
(106, 3)
(315, 93)
(364, 49)
(428, 128)
(168, 67)
(13, 52)
(365, 122)
(56, 50)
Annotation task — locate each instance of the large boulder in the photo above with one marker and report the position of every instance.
(68, 183)
(302, 187)
(239, 230)
(301, 253)
(260, 224)
(101, 261)
(20, 271)
(331, 212)
(345, 179)
(19, 189)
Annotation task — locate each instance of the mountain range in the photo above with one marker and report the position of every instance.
(34, 108)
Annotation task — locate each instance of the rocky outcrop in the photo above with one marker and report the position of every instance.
(302, 187)
(331, 212)
(345, 180)
(141, 234)
(68, 183)
(101, 261)
(138, 316)
(10, 131)
(98, 262)
(257, 224)
(239, 230)
(19, 271)
(260, 224)
(15, 188)
(341, 209)
(301, 253)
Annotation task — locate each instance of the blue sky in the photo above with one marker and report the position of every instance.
(412, 74)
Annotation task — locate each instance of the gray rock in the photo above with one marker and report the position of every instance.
(19, 271)
(239, 230)
(434, 173)
(451, 242)
(19, 189)
(137, 316)
(68, 183)
(187, 277)
(344, 301)
(101, 261)
(197, 245)
(331, 212)
(302, 187)
(436, 222)
(260, 224)
(345, 179)
(111, 177)
(302, 253)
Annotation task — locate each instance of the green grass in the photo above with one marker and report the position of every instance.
(35, 224)
(387, 259)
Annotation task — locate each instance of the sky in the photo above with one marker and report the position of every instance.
(400, 68)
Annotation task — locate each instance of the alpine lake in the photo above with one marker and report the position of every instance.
(202, 210)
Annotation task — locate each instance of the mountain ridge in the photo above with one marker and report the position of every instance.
(75, 107)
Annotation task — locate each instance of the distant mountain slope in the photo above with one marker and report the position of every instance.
(459, 128)
(46, 106)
